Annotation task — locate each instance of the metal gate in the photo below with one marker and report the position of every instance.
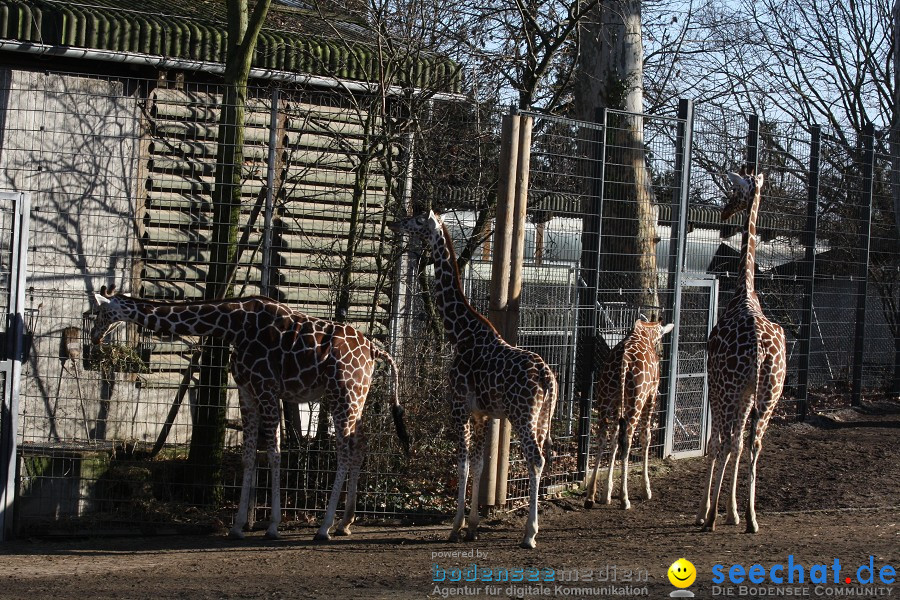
(13, 246)
(687, 421)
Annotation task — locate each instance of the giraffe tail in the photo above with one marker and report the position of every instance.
(397, 411)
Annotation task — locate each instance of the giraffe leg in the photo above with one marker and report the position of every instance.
(726, 449)
(343, 466)
(607, 498)
(646, 434)
(357, 454)
(602, 445)
(250, 422)
(626, 455)
(737, 448)
(461, 425)
(476, 460)
(535, 468)
(272, 426)
(714, 446)
(755, 447)
(535, 460)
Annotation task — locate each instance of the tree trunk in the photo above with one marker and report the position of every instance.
(610, 75)
(208, 433)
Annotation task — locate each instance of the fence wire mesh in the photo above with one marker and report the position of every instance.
(139, 436)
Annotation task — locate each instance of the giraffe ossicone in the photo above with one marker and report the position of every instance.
(746, 366)
(488, 378)
(277, 354)
(625, 396)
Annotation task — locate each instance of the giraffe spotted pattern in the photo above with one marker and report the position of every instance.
(488, 378)
(625, 395)
(278, 354)
(746, 366)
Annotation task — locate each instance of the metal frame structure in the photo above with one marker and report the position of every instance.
(12, 344)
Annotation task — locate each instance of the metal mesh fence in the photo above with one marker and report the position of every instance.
(122, 175)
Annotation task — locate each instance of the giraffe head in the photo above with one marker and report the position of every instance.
(112, 311)
(426, 226)
(655, 329)
(744, 189)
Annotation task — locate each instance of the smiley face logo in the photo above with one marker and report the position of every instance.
(682, 573)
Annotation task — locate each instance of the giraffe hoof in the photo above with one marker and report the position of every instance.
(732, 520)
(321, 537)
(528, 544)
(454, 536)
(342, 531)
(471, 536)
(273, 535)
(589, 504)
(235, 534)
(626, 506)
(752, 528)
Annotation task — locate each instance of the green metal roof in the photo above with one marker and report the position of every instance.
(292, 40)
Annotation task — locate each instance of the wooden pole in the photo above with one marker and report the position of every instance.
(499, 294)
(517, 259)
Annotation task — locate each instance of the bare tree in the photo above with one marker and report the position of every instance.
(610, 75)
(208, 435)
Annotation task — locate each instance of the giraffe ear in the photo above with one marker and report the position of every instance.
(101, 299)
(759, 181)
(668, 328)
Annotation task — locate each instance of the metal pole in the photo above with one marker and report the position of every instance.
(11, 365)
(809, 242)
(265, 284)
(868, 139)
(587, 298)
(753, 144)
(677, 240)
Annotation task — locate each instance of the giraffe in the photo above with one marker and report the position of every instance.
(487, 378)
(746, 365)
(279, 353)
(625, 394)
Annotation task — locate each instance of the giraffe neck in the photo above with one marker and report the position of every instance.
(461, 320)
(747, 282)
(220, 319)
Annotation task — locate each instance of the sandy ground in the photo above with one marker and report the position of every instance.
(828, 489)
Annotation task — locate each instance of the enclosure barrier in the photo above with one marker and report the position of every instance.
(121, 174)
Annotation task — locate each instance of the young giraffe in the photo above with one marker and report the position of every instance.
(278, 353)
(625, 395)
(746, 365)
(488, 378)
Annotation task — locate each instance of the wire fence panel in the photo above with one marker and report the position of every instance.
(144, 432)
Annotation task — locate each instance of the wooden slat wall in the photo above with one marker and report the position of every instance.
(320, 149)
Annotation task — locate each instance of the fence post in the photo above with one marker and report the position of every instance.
(586, 324)
(11, 358)
(753, 143)
(499, 291)
(684, 145)
(809, 242)
(868, 139)
(517, 258)
(270, 196)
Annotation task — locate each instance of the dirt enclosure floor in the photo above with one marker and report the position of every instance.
(829, 489)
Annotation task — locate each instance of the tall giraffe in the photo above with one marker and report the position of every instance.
(625, 395)
(278, 353)
(487, 378)
(746, 364)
